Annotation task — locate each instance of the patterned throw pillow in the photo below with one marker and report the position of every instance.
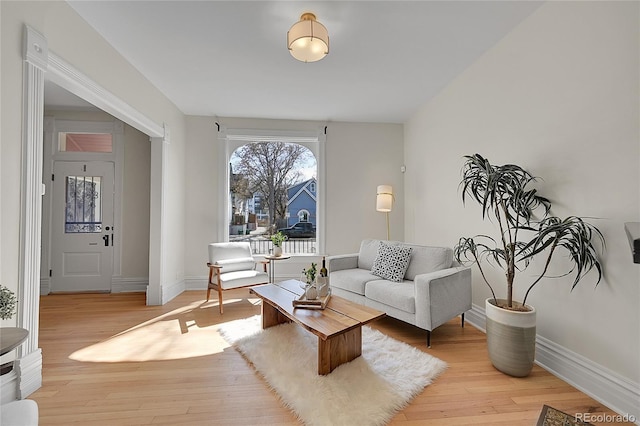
(392, 262)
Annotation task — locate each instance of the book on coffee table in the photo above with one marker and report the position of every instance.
(319, 303)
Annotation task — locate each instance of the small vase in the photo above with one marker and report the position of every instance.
(277, 251)
(322, 286)
(311, 293)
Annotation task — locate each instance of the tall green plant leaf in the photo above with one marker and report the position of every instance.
(504, 194)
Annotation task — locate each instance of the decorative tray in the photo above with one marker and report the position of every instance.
(319, 303)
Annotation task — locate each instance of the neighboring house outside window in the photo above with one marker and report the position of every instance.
(301, 204)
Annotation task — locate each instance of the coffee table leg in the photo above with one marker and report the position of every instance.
(338, 350)
(271, 315)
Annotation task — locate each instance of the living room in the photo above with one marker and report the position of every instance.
(558, 95)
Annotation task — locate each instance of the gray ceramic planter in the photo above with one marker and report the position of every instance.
(511, 339)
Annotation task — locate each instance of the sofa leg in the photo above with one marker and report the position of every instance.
(428, 339)
(462, 316)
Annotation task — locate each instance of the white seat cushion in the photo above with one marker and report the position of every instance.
(237, 279)
(353, 280)
(398, 295)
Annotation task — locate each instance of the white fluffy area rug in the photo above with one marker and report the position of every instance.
(366, 391)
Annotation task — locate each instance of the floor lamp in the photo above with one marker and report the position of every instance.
(384, 202)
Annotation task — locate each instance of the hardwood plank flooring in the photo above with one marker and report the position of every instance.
(110, 360)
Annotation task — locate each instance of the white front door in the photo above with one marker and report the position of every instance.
(82, 226)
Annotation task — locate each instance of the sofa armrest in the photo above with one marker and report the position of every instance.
(441, 295)
(342, 261)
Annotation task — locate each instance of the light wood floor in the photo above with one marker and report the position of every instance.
(111, 360)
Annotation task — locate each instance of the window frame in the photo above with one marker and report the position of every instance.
(231, 139)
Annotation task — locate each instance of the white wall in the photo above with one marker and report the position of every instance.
(359, 156)
(73, 40)
(558, 96)
(135, 204)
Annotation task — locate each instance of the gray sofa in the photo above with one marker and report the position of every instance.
(433, 290)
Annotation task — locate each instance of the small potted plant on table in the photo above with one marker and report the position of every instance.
(277, 239)
(310, 279)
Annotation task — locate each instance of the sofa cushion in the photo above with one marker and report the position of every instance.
(368, 253)
(392, 261)
(425, 259)
(398, 295)
(353, 280)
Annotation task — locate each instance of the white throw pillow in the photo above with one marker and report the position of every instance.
(392, 262)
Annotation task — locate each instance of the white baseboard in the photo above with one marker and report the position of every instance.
(606, 386)
(45, 286)
(29, 370)
(169, 292)
(118, 285)
(196, 283)
(200, 283)
(129, 285)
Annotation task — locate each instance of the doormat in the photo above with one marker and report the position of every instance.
(552, 417)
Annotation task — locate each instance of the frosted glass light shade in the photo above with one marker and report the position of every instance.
(384, 198)
(308, 39)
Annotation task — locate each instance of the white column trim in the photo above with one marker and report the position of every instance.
(35, 62)
(157, 240)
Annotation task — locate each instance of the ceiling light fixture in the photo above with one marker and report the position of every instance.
(308, 39)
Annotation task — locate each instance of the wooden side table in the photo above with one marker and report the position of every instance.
(271, 258)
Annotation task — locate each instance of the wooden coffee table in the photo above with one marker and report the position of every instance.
(338, 327)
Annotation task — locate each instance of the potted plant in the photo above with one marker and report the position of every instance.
(506, 198)
(277, 239)
(310, 278)
(7, 303)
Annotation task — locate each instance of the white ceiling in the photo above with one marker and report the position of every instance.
(229, 58)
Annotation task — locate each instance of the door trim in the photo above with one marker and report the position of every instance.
(52, 126)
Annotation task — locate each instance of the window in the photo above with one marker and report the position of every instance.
(303, 216)
(83, 211)
(85, 142)
(254, 214)
(279, 175)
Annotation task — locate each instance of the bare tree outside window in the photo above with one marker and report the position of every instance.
(269, 168)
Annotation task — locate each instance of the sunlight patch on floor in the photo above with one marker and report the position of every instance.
(186, 332)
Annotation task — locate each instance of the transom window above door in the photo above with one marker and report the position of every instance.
(85, 142)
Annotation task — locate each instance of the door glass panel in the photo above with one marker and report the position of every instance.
(85, 142)
(83, 204)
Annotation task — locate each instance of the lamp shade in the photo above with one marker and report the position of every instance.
(308, 39)
(384, 198)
